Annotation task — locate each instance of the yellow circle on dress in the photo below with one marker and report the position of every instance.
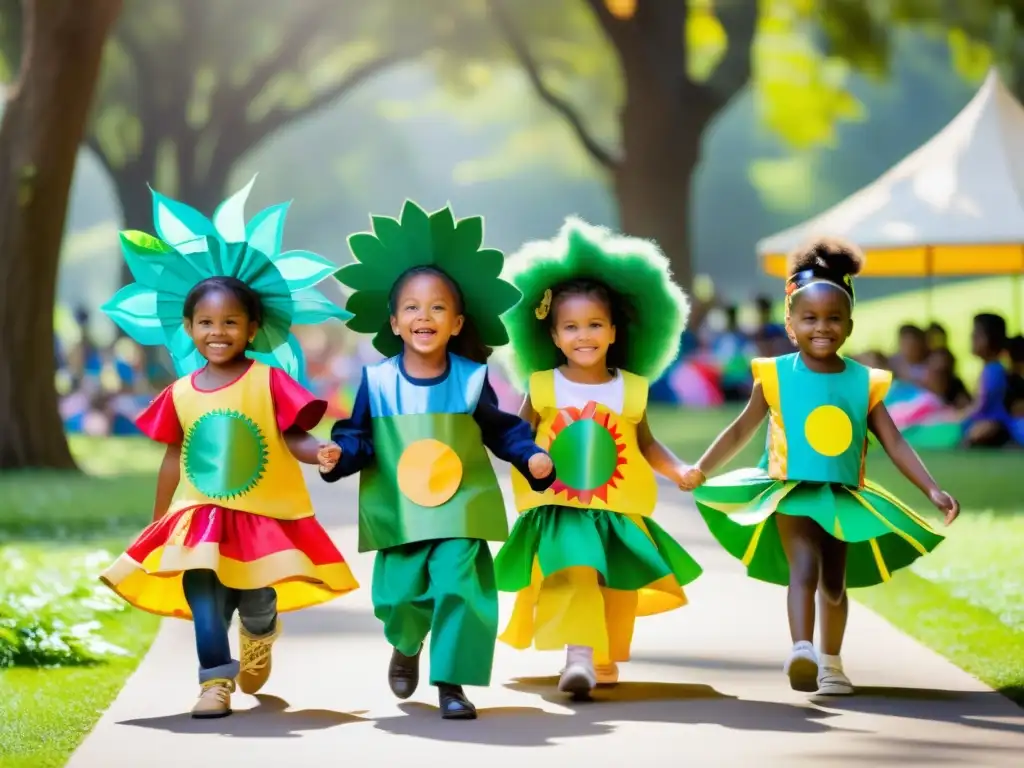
(429, 473)
(828, 430)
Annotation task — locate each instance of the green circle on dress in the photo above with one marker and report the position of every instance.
(225, 454)
(585, 455)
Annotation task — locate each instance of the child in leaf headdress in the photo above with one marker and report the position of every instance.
(429, 500)
(600, 317)
(233, 526)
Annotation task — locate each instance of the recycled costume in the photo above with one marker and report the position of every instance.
(240, 527)
(814, 466)
(584, 556)
(429, 500)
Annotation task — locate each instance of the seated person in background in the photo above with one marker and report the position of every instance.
(873, 359)
(940, 377)
(909, 363)
(936, 337)
(770, 337)
(1015, 381)
(987, 422)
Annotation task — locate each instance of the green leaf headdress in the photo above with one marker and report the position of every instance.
(635, 269)
(190, 248)
(419, 239)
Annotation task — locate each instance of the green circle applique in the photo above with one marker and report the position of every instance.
(585, 455)
(225, 454)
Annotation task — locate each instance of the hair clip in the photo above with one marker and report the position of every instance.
(544, 307)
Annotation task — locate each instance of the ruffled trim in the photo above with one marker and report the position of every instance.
(247, 551)
(883, 534)
(584, 575)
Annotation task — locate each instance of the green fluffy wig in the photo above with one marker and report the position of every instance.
(634, 269)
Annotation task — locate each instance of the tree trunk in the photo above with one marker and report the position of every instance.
(661, 141)
(40, 134)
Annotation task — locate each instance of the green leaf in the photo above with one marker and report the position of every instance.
(303, 269)
(416, 231)
(469, 235)
(367, 249)
(266, 230)
(178, 223)
(229, 218)
(389, 231)
(369, 309)
(442, 230)
(361, 277)
(311, 307)
(146, 256)
(134, 310)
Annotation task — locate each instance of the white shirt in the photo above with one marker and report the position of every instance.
(571, 394)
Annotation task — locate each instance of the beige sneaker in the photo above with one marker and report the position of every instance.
(256, 658)
(214, 699)
(832, 681)
(607, 674)
(802, 667)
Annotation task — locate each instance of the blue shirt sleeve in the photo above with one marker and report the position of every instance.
(992, 389)
(355, 436)
(508, 437)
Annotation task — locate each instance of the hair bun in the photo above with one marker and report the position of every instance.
(832, 254)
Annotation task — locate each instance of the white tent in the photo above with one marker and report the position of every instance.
(955, 206)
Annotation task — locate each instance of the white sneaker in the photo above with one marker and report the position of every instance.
(578, 677)
(802, 667)
(832, 681)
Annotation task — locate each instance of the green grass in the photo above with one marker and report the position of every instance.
(953, 305)
(963, 600)
(57, 531)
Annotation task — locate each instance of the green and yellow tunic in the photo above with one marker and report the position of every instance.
(584, 556)
(815, 457)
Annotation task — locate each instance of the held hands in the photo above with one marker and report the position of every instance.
(540, 465)
(945, 503)
(689, 478)
(328, 456)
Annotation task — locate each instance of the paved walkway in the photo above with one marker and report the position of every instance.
(705, 688)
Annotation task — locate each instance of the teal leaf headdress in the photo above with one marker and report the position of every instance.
(190, 248)
(419, 239)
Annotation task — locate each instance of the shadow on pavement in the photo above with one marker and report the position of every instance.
(332, 621)
(707, 662)
(884, 750)
(667, 703)
(269, 720)
(975, 709)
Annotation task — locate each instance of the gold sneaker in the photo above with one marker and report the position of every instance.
(607, 674)
(214, 699)
(256, 658)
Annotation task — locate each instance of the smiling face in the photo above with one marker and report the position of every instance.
(220, 327)
(426, 315)
(583, 330)
(820, 321)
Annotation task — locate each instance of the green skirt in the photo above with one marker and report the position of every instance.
(630, 552)
(883, 534)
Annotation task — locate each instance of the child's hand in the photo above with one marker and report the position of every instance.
(329, 455)
(540, 465)
(690, 478)
(945, 503)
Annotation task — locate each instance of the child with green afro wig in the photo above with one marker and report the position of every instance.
(600, 317)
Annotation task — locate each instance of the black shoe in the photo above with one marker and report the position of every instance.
(404, 673)
(454, 704)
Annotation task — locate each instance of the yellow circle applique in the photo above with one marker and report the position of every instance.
(429, 473)
(828, 430)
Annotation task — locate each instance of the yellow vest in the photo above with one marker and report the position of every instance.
(604, 456)
(233, 454)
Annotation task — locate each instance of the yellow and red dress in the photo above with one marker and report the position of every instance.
(241, 508)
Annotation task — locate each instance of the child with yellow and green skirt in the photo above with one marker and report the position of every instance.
(600, 317)
(807, 518)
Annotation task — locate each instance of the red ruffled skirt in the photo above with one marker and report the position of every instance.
(247, 551)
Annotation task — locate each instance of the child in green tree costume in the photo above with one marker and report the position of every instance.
(811, 521)
(422, 420)
(600, 317)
